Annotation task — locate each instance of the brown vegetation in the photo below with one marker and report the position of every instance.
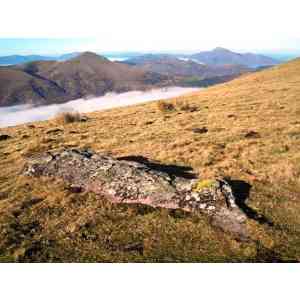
(164, 106)
(69, 117)
(185, 106)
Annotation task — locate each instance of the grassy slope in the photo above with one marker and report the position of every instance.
(43, 221)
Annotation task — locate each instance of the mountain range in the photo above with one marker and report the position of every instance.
(22, 59)
(46, 82)
(221, 56)
(185, 71)
(40, 80)
(217, 56)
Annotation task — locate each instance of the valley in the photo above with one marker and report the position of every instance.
(45, 80)
(20, 114)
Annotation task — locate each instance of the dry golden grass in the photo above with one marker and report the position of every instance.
(44, 221)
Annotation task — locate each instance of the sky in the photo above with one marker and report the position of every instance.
(61, 26)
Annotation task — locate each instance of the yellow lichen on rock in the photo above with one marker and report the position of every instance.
(203, 184)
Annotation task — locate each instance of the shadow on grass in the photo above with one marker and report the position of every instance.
(240, 188)
(241, 191)
(172, 170)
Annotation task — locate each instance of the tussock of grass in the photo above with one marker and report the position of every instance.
(164, 106)
(177, 105)
(185, 106)
(69, 117)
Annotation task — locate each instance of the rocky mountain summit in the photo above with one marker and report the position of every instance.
(128, 181)
(221, 56)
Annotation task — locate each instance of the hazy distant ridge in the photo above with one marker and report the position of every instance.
(217, 56)
(221, 56)
(22, 59)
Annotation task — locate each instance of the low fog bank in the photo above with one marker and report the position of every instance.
(15, 115)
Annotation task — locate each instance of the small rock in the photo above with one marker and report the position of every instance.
(4, 137)
(75, 189)
(135, 247)
(200, 130)
(231, 116)
(252, 135)
(83, 118)
(149, 122)
(202, 206)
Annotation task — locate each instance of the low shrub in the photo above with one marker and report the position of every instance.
(185, 106)
(70, 117)
(164, 106)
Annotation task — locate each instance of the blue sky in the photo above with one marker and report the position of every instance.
(149, 26)
(43, 46)
(55, 46)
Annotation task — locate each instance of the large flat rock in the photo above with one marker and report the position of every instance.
(129, 181)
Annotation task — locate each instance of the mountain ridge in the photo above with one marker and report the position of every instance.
(19, 59)
(221, 56)
(185, 71)
(46, 82)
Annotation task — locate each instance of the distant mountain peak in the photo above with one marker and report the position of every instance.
(223, 56)
(89, 56)
(221, 49)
